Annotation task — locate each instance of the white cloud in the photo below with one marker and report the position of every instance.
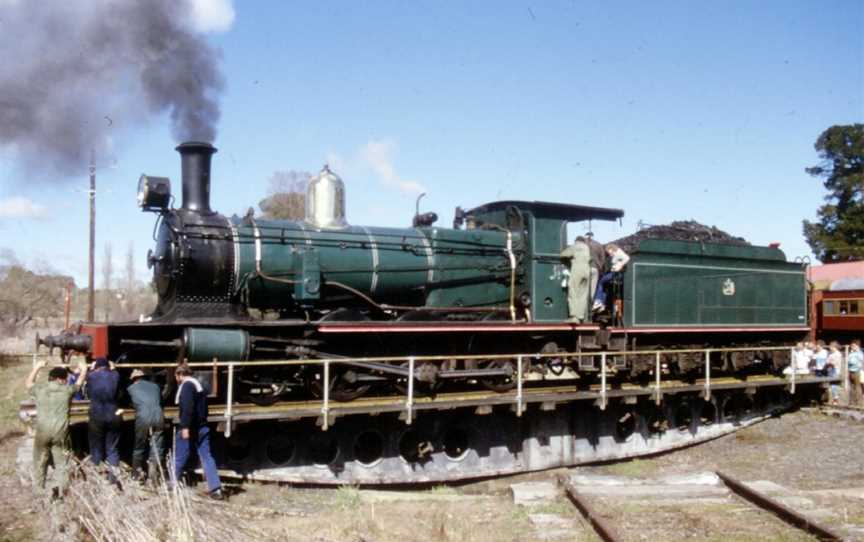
(379, 156)
(212, 15)
(19, 207)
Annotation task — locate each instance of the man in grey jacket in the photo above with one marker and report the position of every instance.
(578, 282)
(149, 425)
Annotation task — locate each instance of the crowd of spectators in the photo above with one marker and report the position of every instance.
(819, 359)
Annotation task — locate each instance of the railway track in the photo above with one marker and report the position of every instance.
(589, 505)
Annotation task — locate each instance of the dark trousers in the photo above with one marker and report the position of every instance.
(600, 294)
(104, 437)
(855, 388)
(149, 443)
(198, 442)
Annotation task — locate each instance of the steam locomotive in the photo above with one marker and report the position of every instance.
(246, 288)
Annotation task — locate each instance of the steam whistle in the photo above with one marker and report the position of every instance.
(66, 342)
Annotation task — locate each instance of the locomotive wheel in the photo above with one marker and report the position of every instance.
(425, 388)
(500, 383)
(343, 386)
(262, 395)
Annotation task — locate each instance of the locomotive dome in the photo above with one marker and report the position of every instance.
(325, 201)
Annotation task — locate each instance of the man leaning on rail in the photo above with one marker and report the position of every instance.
(146, 397)
(53, 399)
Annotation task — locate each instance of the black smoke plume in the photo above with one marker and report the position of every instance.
(79, 74)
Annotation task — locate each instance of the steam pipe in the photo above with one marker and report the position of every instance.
(195, 159)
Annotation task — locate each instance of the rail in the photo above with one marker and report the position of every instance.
(409, 405)
(782, 511)
(603, 529)
(607, 532)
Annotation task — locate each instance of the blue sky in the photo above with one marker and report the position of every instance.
(669, 110)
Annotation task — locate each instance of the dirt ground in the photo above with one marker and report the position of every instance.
(805, 452)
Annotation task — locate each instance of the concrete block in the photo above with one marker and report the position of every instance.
(699, 485)
(528, 493)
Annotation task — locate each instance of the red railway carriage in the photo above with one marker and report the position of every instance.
(839, 314)
(837, 301)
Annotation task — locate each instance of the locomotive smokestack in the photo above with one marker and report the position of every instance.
(195, 158)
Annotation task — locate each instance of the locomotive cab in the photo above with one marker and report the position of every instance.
(543, 226)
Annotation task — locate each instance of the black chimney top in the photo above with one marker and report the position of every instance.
(195, 159)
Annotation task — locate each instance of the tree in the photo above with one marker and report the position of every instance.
(130, 269)
(286, 199)
(839, 234)
(26, 296)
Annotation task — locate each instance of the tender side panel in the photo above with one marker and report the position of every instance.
(683, 288)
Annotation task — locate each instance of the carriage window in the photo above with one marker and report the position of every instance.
(829, 307)
(853, 307)
(844, 307)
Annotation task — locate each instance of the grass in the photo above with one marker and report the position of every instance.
(95, 509)
(443, 489)
(793, 536)
(635, 468)
(13, 371)
(559, 508)
(347, 497)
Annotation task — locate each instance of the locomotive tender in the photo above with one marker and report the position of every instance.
(462, 300)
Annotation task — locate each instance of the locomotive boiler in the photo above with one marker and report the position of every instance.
(209, 266)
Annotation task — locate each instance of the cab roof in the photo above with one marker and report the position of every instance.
(545, 209)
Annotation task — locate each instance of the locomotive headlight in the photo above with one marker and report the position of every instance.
(154, 193)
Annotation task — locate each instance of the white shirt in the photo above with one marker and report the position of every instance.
(619, 260)
(801, 361)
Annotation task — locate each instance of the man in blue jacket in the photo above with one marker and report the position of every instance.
(103, 429)
(193, 434)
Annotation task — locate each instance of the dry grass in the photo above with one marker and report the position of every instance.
(96, 510)
(13, 371)
(634, 468)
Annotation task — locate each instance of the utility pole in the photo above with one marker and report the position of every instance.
(91, 301)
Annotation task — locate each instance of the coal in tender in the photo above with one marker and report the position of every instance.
(681, 230)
